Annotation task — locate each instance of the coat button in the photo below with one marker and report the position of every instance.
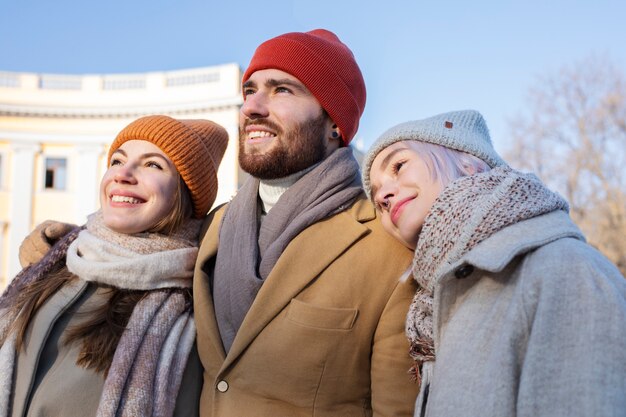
(464, 271)
(222, 386)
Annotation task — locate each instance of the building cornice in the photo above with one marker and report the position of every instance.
(118, 112)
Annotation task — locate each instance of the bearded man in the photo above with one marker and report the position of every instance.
(297, 291)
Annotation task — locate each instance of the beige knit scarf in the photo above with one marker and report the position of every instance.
(468, 211)
(152, 353)
(143, 261)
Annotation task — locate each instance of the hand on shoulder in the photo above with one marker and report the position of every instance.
(40, 240)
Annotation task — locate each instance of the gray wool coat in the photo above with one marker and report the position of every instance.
(531, 322)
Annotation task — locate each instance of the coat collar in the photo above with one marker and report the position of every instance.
(496, 252)
(361, 211)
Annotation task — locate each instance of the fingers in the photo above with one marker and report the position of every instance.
(56, 230)
(39, 241)
(33, 248)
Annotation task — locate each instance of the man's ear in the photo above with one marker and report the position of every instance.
(334, 134)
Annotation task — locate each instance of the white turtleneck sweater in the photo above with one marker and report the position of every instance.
(271, 190)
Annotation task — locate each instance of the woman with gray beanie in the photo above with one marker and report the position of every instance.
(515, 314)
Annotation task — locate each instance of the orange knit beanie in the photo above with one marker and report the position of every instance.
(325, 66)
(195, 146)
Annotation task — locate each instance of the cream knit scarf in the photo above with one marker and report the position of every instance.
(468, 211)
(144, 261)
(148, 364)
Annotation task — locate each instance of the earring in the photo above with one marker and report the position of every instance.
(335, 134)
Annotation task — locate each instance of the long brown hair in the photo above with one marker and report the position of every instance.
(181, 210)
(100, 333)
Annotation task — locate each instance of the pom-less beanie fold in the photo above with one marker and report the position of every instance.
(464, 130)
(195, 146)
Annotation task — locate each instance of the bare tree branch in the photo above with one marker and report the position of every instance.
(573, 136)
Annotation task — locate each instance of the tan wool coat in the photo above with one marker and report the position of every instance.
(325, 334)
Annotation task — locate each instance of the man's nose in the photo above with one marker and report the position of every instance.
(255, 106)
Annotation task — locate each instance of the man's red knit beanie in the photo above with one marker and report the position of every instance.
(325, 66)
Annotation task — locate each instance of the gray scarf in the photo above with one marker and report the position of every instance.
(148, 364)
(247, 254)
(468, 211)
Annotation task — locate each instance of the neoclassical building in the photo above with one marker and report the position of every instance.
(55, 130)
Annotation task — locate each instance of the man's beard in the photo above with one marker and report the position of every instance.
(295, 150)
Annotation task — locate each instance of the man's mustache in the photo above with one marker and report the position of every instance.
(262, 122)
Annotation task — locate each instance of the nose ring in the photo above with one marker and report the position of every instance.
(386, 203)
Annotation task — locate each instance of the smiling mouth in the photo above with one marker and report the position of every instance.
(126, 199)
(396, 211)
(260, 136)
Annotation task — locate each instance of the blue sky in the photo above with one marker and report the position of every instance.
(418, 58)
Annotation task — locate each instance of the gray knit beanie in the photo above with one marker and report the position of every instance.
(463, 130)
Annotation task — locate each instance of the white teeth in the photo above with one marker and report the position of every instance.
(259, 134)
(124, 199)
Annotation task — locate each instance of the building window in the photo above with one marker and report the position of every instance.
(192, 79)
(117, 83)
(55, 177)
(10, 80)
(60, 82)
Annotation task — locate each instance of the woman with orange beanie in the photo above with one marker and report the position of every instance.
(103, 323)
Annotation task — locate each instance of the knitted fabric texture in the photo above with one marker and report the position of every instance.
(195, 146)
(463, 130)
(151, 356)
(150, 359)
(325, 66)
(467, 212)
(36, 271)
(146, 242)
(271, 190)
(101, 255)
(247, 253)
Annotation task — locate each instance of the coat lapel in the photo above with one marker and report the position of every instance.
(304, 259)
(204, 310)
(39, 330)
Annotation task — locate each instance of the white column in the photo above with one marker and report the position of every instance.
(228, 173)
(21, 205)
(87, 182)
